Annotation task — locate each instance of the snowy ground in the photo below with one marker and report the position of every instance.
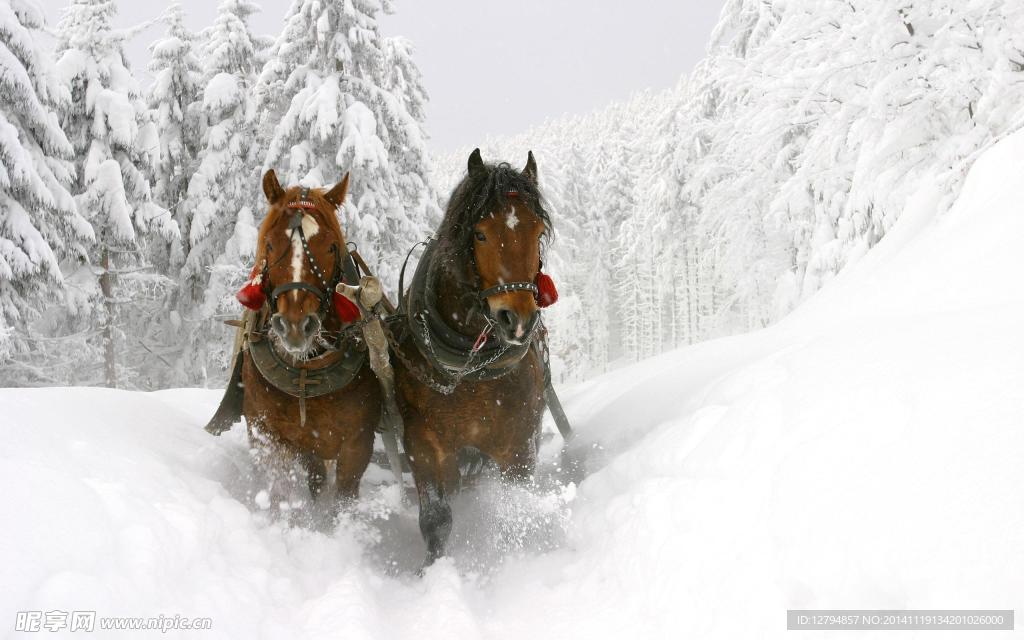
(865, 453)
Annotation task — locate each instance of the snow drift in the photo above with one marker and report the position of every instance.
(864, 453)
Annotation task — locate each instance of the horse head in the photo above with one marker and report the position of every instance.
(496, 223)
(300, 256)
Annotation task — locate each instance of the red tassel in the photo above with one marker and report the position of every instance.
(252, 295)
(346, 309)
(547, 294)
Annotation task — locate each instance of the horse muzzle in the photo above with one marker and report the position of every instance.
(296, 337)
(512, 328)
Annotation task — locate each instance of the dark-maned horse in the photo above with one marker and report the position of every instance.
(308, 396)
(471, 366)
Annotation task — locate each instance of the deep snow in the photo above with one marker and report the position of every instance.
(864, 453)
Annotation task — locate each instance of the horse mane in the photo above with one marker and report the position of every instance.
(479, 194)
(324, 213)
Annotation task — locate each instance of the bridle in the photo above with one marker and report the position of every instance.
(485, 309)
(505, 287)
(344, 266)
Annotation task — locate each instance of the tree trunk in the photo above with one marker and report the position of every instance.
(107, 288)
(690, 329)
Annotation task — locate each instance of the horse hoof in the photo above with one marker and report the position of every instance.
(429, 562)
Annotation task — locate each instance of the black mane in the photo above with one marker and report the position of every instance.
(480, 193)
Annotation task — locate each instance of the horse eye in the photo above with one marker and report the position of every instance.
(480, 236)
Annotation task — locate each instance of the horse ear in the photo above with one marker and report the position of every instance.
(530, 170)
(271, 187)
(337, 193)
(476, 163)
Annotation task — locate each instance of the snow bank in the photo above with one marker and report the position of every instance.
(864, 453)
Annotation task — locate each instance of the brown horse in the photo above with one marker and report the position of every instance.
(471, 359)
(309, 393)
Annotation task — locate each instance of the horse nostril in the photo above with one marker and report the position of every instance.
(277, 324)
(310, 325)
(508, 319)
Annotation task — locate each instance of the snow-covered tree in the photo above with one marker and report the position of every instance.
(174, 107)
(831, 115)
(222, 236)
(112, 152)
(331, 88)
(39, 223)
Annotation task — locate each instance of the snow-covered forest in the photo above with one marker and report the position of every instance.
(718, 206)
(128, 212)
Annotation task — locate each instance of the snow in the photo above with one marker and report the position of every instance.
(863, 453)
(108, 186)
(222, 92)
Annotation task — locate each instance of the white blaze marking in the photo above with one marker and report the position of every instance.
(310, 228)
(510, 218)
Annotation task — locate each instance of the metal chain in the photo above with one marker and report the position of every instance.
(417, 371)
(464, 370)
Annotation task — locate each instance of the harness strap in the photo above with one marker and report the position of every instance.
(300, 286)
(506, 287)
(401, 275)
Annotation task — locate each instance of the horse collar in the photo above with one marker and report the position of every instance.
(324, 374)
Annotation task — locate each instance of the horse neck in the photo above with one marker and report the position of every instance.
(452, 299)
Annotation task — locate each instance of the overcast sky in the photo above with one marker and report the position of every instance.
(495, 68)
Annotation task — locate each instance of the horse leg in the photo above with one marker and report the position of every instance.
(520, 465)
(316, 473)
(437, 474)
(277, 459)
(352, 461)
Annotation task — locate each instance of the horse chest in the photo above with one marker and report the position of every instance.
(492, 414)
(332, 420)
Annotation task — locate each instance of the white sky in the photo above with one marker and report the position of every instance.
(495, 68)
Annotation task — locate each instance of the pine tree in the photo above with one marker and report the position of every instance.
(174, 108)
(333, 81)
(39, 222)
(102, 122)
(222, 237)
